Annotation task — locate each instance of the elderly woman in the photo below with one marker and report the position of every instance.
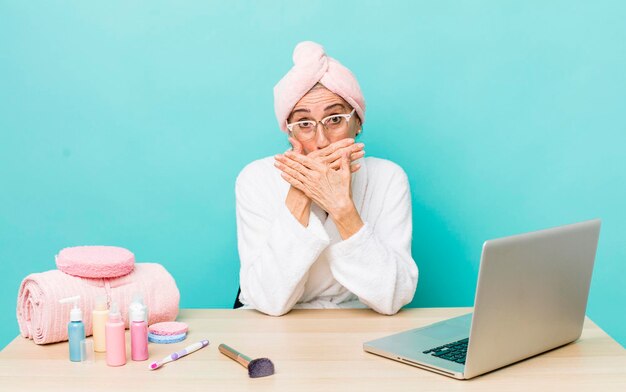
(320, 226)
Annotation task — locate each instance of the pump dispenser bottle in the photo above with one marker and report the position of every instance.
(99, 318)
(115, 338)
(75, 328)
(138, 337)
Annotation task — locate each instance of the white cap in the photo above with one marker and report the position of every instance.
(114, 312)
(138, 297)
(137, 305)
(138, 315)
(75, 314)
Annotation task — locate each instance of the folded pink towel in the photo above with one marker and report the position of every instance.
(312, 65)
(43, 319)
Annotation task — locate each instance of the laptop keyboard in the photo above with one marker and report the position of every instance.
(455, 351)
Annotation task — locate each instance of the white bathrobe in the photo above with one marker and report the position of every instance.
(285, 265)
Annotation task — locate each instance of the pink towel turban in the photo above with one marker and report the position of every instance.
(310, 66)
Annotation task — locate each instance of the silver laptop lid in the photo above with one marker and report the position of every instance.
(531, 294)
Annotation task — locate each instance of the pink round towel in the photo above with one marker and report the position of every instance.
(168, 328)
(96, 261)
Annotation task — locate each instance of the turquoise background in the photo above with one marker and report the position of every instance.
(126, 123)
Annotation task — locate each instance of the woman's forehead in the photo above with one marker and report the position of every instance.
(318, 100)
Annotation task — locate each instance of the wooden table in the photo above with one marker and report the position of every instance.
(313, 350)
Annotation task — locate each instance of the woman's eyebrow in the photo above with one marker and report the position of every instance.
(300, 110)
(333, 105)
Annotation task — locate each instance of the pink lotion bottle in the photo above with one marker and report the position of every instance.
(138, 336)
(115, 337)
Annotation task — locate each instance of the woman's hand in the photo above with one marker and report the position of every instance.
(330, 189)
(331, 154)
(327, 187)
(299, 204)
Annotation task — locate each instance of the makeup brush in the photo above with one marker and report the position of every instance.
(260, 367)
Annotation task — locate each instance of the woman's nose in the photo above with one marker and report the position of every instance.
(321, 139)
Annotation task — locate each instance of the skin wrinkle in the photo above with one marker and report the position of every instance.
(305, 110)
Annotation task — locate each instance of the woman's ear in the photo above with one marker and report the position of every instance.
(357, 135)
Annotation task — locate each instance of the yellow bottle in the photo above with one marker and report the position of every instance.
(99, 318)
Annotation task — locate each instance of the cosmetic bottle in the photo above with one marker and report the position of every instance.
(138, 337)
(115, 337)
(75, 329)
(99, 317)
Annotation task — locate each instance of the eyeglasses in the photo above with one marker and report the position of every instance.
(307, 129)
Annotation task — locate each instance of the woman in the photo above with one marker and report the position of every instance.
(320, 226)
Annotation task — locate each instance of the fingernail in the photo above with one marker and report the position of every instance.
(361, 145)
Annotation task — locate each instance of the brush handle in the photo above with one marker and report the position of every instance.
(179, 354)
(189, 349)
(235, 355)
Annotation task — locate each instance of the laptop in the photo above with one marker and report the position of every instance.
(531, 297)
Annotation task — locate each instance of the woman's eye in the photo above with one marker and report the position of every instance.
(306, 124)
(335, 120)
